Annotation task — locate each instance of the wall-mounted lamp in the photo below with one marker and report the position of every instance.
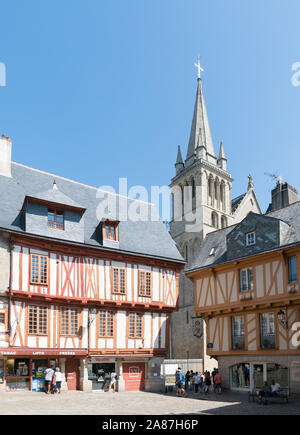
(282, 318)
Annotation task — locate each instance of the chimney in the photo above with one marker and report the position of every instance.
(5, 156)
(283, 195)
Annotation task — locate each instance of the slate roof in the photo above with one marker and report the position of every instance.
(235, 202)
(217, 239)
(147, 237)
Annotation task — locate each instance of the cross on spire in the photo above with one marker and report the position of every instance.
(197, 65)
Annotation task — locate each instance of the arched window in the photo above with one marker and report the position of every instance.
(214, 220)
(210, 191)
(193, 189)
(223, 222)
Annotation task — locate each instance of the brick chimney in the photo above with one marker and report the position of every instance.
(283, 195)
(5, 156)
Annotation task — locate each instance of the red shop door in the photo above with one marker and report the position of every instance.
(72, 374)
(134, 376)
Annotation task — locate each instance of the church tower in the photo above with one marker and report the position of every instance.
(201, 193)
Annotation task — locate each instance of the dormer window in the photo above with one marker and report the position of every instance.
(250, 239)
(55, 219)
(212, 251)
(111, 230)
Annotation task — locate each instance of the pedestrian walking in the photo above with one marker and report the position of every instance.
(58, 380)
(196, 383)
(180, 384)
(218, 382)
(112, 383)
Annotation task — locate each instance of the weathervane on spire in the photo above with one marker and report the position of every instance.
(197, 65)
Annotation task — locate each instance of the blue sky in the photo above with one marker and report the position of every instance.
(98, 90)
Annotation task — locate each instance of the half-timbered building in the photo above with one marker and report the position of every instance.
(87, 291)
(246, 288)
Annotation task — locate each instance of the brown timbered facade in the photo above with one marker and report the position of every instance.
(249, 298)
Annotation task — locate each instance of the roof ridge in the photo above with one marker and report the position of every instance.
(81, 184)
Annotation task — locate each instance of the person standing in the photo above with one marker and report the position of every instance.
(112, 383)
(49, 373)
(187, 379)
(196, 383)
(217, 382)
(207, 382)
(58, 380)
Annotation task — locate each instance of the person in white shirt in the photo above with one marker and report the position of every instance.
(49, 373)
(112, 384)
(58, 379)
(275, 387)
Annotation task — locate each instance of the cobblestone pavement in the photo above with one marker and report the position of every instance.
(134, 403)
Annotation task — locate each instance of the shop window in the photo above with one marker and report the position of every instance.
(37, 320)
(119, 285)
(240, 376)
(292, 269)
(144, 283)
(238, 333)
(267, 331)
(135, 325)
(99, 374)
(69, 321)
(279, 374)
(106, 323)
(39, 269)
(56, 219)
(246, 280)
(111, 230)
(17, 374)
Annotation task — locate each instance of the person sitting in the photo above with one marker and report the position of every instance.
(264, 392)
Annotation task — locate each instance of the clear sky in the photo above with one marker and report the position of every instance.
(98, 90)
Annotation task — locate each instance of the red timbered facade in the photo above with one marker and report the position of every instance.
(87, 305)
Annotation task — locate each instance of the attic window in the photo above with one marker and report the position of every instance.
(250, 239)
(212, 252)
(55, 219)
(111, 230)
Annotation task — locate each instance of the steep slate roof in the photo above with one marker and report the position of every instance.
(147, 237)
(217, 239)
(235, 202)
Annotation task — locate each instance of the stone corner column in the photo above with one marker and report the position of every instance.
(62, 363)
(119, 370)
(85, 383)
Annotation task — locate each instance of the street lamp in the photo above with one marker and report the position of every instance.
(282, 318)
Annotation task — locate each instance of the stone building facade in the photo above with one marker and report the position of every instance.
(202, 203)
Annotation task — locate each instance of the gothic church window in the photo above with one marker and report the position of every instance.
(214, 220)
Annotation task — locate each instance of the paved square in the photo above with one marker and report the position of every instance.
(134, 403)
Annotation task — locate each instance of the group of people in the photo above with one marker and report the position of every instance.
(52, 380)
(197, 382)
(269, 391)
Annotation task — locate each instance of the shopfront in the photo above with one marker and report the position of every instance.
(248, 375)
(18, 372)
(99, 373)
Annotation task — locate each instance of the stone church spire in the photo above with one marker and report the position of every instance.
(179, 165)
(200, 136)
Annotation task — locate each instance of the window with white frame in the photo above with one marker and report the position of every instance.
(238, 332)
(246, 279)
(267, 330)
(250, 238)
